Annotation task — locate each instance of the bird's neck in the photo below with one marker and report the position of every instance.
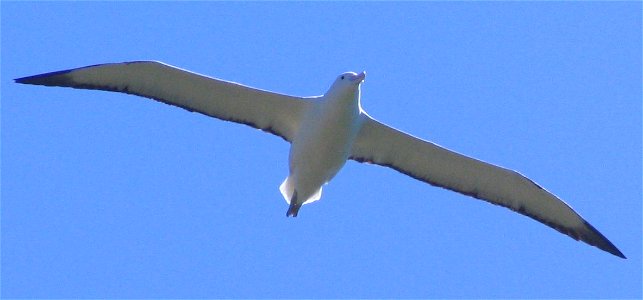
(343, 100)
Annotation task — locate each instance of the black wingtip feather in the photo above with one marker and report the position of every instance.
(47, 79)
(58, 78)
(598, 240)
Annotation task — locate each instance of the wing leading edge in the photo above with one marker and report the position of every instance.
(275, 113)
(380, 144)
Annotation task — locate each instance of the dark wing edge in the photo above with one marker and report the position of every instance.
(587, 233)
(65, 78)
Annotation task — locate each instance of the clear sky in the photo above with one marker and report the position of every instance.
(111, 195)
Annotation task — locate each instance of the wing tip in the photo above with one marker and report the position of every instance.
(60, 78)
(48, 79)
(598, 240)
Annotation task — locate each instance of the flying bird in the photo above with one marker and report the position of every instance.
(326, 131)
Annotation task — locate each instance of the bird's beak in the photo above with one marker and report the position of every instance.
(360, 77)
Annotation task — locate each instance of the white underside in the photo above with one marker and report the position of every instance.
(324, 132)
(287, 189)
(321, 147)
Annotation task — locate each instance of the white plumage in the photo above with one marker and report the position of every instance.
(327, 130)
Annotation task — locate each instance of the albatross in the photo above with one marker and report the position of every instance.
(326, 131)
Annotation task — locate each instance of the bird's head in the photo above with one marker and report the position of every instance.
(347, 84)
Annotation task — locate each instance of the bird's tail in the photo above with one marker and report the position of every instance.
(294, 207)
(287, 189)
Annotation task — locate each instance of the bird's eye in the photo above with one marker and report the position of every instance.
(342, 77)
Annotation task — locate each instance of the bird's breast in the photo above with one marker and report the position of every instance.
(323, 144)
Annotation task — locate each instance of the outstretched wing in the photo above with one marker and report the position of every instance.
(268, 111)
(380, 144)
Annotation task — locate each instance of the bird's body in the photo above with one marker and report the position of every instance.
(323, 143)
(325, 131)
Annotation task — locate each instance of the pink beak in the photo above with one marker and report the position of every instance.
(360, 77)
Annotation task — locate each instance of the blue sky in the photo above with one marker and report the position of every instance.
(111, 195)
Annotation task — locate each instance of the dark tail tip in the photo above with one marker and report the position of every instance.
(293, 209)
